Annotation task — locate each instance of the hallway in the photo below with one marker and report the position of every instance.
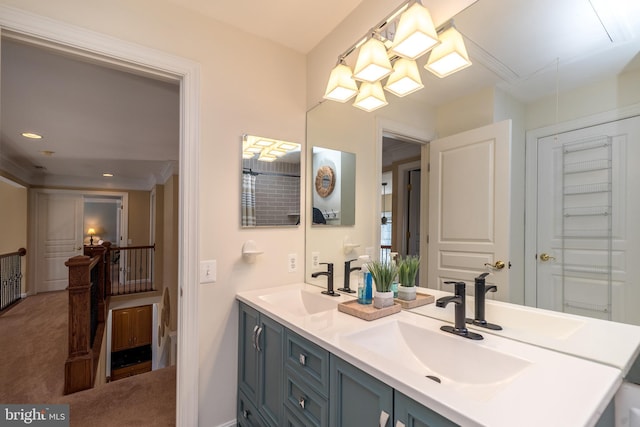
(33, 351)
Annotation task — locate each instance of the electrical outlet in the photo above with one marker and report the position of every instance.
(208, 271)
(293, 263)
(315, 260)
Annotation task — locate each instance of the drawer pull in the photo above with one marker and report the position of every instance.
(245, 414)
(302, 402)
(303, 359)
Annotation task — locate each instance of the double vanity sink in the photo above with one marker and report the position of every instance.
(542, 368)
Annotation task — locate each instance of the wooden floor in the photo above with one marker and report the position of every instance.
(33, 351)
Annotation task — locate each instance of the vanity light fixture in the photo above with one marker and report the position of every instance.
(371, 97)
(405, 78)
(450, 55)
(341, 86)
(31, 135)
(373, 62)
(416, 34)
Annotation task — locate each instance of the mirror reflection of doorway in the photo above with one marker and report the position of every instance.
(401, 170)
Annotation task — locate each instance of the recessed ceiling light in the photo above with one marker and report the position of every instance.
(107, 174)
(31, 135)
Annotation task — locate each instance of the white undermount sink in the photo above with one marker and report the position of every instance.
(300, 302)
(454, 361)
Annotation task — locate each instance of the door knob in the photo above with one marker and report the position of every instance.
(546, 257)
(499, 265)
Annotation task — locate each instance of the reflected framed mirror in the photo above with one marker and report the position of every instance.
(333, 181)
(270, 183)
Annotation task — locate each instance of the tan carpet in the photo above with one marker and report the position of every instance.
(33, 351)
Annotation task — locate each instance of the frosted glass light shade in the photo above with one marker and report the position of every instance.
(450, 55)
(405, 78)
(416, 33)
(371, 97)
(341, 86)
(373, 62)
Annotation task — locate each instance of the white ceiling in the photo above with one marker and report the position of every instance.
(98, 120)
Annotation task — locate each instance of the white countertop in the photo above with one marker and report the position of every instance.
(551, 389)
(612, 343)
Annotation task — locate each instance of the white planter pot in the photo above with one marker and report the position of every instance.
(407, 293)
(383, 299)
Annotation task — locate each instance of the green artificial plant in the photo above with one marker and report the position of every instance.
(407, 270)
(383, 274)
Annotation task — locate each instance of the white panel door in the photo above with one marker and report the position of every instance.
(469, 207)
(60, 237)
(588, 234)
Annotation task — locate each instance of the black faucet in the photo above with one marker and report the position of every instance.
(459, 300)
(480, 290)
(329, 274)
(347, 276)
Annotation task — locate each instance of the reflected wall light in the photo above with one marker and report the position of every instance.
(371, 97)
(405, 78)
(450, 55)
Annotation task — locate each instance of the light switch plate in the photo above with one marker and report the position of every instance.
(208, 271)
(293, 263)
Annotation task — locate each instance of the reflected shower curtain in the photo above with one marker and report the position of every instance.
(248, 200)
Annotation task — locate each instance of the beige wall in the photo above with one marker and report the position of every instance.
(13, 221)
(247, 85)
(139, 226)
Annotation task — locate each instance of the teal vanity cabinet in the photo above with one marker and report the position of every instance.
(306, 390)
(357, 398)
(260, 366)
(409, 413)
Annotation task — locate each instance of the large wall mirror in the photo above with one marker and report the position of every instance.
(549, 83)
(270, 182)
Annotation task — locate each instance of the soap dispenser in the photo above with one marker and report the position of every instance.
(365, 282)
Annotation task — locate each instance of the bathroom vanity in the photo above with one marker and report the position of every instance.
(303, 363)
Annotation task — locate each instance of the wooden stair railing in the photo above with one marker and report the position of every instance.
(87, 314)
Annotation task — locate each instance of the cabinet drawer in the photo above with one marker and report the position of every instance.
(247, 413)
(308, 360)
(129, 371)
(307, 405)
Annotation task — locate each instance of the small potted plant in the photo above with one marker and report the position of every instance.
(383, 274)
(407, 271)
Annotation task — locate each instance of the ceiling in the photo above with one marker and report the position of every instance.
(97, 119)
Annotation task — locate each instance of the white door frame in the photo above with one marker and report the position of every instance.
(110, 49)
(421, 136)
(531, 183)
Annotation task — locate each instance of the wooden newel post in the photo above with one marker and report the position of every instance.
(79, 365)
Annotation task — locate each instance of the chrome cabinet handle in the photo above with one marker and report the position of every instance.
(245, 414)
(258, 339)
(302, 401)
(303, 359)
(253, 337)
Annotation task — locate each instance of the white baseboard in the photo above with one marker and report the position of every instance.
(231, 423)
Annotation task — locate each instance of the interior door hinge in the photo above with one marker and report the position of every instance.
(408, 187)
(428, 167)
(427, 239)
